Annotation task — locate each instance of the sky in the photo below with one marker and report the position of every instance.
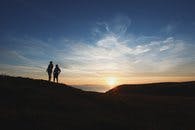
(99, 44)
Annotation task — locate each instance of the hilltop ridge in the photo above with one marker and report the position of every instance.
(166, 88)
(22, 82)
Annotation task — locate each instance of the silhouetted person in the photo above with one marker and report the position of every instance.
(56, 72)
(49, 70)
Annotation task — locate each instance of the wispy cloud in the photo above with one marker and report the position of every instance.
(116, 26)
(112, 55)
(170, 28)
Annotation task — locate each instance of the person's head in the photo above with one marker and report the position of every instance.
(56, 65)
(50, 62)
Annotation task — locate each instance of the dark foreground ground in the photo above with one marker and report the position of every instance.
(39, 105)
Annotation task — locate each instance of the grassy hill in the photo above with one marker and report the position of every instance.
(169, 89)
(37, 104)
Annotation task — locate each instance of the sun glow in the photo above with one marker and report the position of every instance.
(112, 81)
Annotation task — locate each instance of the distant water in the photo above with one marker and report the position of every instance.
(95, 88)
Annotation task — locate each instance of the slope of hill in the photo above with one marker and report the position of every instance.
(169, 89)
(37, 104)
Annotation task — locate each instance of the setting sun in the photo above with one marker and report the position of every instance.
(111, 81)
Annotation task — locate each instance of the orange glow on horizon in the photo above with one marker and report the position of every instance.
(114, 81)
(111, 81)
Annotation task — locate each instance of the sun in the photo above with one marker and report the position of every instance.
(111, 81)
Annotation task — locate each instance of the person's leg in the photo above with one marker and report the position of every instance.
(54, 78)
(49, 76)
(57, 78)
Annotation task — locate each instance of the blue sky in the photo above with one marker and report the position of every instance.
(92, 40)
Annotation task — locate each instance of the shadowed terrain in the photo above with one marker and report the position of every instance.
(38, 104)
(169, 89)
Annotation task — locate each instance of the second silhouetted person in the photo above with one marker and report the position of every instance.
(56, 72)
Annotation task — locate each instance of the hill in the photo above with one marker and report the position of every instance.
(37, 104)
(168, 89)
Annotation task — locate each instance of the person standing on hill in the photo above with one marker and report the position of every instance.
(56, 72)
(49, 70)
